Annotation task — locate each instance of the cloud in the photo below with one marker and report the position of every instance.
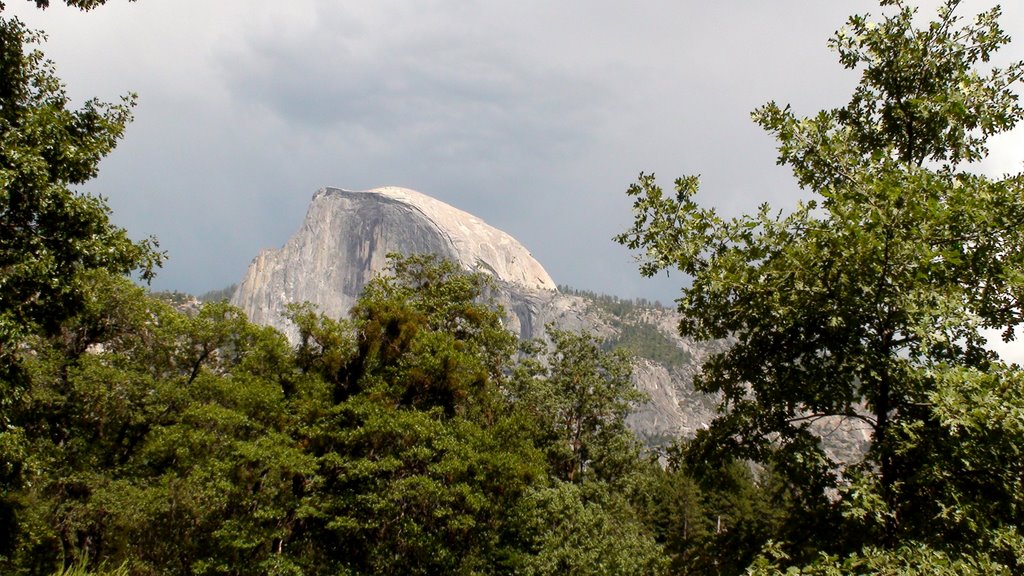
(533, 115)
(433, 96)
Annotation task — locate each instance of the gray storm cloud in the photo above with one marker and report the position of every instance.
(533, 115)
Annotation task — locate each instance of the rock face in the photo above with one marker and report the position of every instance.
(344, 242)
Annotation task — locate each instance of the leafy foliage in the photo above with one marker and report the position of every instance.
(571, 531)
(863, 301)
(578, 398)
(394, 442)
(146, 418)
(412, 466)
(49, 233)
(418, 437)
(51, 238)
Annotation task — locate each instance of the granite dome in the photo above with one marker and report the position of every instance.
(344, 241)
(476, 244)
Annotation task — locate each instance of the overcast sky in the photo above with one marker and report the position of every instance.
(533, 115)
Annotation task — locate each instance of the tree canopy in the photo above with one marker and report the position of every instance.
(417, 436)
(407, 439)
(868, 300)
(51, 236)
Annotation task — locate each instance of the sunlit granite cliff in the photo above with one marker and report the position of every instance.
(344, 242)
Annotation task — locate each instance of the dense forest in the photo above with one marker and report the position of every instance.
(139, 436)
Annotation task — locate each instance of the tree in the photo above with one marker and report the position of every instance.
(585, 530)
(50, 236)
(440, 451)
(418, 461)
(579, 397)
(156, 440)
(716, 521)
(861, 301)
(394, 442)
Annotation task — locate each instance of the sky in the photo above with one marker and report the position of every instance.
(533, 115)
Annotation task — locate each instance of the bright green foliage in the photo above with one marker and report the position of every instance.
(397, 442)
(431, 443)
(409, 491)
(860, 302)
(982, 434)
(157, 439)
(416, 466)
(136, 436)
(50, 236)
(585, 530)
(909, 559)
(580, 398)
(425, 341)
(967, 478)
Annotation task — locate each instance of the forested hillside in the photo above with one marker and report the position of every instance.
(419, 436)
(414, 439)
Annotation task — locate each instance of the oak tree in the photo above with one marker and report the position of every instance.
(862, 300)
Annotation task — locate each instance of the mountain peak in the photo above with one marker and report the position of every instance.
(344, 241)
(474, 243)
